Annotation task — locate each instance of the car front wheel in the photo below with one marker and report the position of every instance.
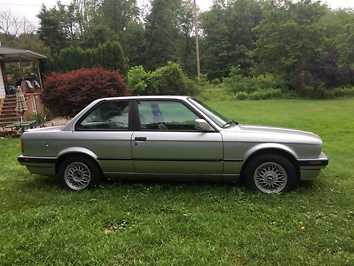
(270, 174)
(78, 173)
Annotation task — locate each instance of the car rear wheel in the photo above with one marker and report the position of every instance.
(270, 174)
(78, 173)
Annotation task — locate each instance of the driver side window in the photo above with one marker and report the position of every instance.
(166, 116)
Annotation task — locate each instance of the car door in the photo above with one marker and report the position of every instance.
(167, 143)
(106, 132)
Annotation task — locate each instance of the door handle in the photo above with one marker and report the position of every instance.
(140, 138)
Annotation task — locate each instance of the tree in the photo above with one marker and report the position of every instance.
(325, 73)
(133, 42)
(97, 34)
(185, 45)
(111, 56)
(228, 36)
(9, 23)
(161, 33)
(51, 30)
(31, 41)
(215, 51)
(289, 35)
(118, 14)
(241, 17)
(346, 43)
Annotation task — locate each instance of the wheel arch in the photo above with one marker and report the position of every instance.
(280, 150)
(72, 152)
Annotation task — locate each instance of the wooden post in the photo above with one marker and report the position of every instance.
(196, 38)
(39, 75)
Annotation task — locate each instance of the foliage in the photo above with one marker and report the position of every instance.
(66, 94)
(179, 223)
(138, 80)
(228, 36)
(272, 38)
(167, 80)
(229, 95)
(109, 55)
(185, 44)
(118, 14)
(216, 94)
(240, 83)
(346, 43)
(325, 73)
(48, 114)
(161, 33)
(51, 30)
(36, 117)
(289, 35)
(237, 82)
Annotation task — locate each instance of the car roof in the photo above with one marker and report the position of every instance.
(147, 97)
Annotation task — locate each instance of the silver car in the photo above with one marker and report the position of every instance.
(170, 138)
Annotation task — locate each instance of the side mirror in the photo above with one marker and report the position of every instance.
(202, 125)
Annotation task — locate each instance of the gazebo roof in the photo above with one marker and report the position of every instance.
(8, 54)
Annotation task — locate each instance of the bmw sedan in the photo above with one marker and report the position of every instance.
(170, 138)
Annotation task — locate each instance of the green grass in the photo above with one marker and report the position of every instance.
(158, 223)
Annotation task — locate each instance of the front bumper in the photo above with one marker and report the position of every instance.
(310, 168)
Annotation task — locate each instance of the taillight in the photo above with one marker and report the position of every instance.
(22, 148)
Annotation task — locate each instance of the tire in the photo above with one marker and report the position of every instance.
(78, 173)
(270, 174)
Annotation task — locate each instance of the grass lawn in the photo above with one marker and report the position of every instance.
(190, 223)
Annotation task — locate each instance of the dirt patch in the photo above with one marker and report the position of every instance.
(318, 109)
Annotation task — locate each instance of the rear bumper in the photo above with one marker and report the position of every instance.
(38, 165)
(310, 168)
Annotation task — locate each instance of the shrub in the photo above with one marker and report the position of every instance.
(109, 55)
(325, 74)
(203, 80)
(167, 80)
(241, 96)
(38, 118)
(66, 94)
(212, 94)
(138, 80)
(265, 94)
(237, 82)
(343, 92)
(267, 81)
(48, 114)
(216, 82)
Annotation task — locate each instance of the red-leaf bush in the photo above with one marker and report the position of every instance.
(67, 94)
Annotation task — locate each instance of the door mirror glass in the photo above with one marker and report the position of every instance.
(202, 125)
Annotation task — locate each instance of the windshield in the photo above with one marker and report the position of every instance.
(219, 119)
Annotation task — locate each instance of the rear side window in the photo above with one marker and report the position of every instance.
(107, 116)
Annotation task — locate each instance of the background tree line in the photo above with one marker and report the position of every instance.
(290, 44)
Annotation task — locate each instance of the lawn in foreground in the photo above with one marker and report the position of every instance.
(158, 223)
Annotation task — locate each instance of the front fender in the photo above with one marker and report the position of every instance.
(267, 146)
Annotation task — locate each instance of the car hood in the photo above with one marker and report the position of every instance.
(272, 134)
